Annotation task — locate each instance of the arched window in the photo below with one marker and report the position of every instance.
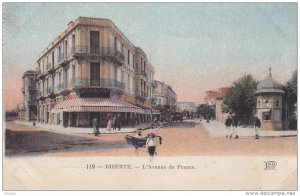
(266, 103)
(277, 103)
(73, 44)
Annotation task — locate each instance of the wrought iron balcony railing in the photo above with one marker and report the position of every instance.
(102, 51)
(102, 83)
(86, 83)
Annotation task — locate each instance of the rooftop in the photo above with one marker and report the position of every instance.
(269, 85)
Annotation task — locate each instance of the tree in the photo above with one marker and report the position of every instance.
(240, 98)
(291, 88)
(291, 98)
(206, 111)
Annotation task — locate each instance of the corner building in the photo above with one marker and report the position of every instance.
(90, 70)
(27, 111)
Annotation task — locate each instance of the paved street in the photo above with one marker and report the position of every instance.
(179, 139)
(218, 129)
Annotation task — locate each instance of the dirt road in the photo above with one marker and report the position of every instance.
(179, 139)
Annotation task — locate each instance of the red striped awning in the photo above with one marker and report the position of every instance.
(95, 105)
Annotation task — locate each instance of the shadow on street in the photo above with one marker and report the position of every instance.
(180, 125)
(30, 143)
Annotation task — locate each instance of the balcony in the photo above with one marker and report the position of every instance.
(61, 89)
(58, 88)
(144, 75)
(153, 83)
(141, 95)
(98, 83)
(41, 75)
(49, 91)
(50, 68)
(106, 53)
(31, 103)
(41, 96)
(62, 60)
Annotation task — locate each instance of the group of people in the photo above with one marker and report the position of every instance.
(231, 123)
(114, 122)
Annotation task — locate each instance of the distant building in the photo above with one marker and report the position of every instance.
(186, 106)
(28, 109)
(220, 116)
(21, 112)
(210, 97)
(165, 97)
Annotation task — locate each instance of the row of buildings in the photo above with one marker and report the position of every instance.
(92, 69)
(271, 107)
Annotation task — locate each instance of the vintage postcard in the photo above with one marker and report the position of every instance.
(150, 96)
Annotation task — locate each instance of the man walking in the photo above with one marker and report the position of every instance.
(234, 124)
(256, 126)
(114, 122)
(118, 122)
(228, 123)
(95, 126)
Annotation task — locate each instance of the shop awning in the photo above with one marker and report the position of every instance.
(95, 105)
(154, 111)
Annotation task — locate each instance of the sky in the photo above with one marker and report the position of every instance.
(194, 47)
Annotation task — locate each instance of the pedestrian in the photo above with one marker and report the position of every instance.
(228, 123)
(114, 122)
(109, 124)
(133, 122)
(234, 124)
(95, 126)
(150, 144)
(256, 127)
(118, 122)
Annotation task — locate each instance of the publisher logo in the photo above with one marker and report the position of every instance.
(270, 165)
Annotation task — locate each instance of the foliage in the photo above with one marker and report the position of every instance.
(206, 111)
(240, 98)
(291, 89)
(290, 97)
(12, 113)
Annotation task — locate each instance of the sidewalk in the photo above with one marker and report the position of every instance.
(218, 129)
(83, 130)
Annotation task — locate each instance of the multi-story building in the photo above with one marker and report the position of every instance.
(210, 97)
(220, 115)
(165, 98)
(186, 106)
(28, 109)
(91, 69)
(144, 75)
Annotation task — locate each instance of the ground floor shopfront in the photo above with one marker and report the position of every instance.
(79, 112)
(84, 119)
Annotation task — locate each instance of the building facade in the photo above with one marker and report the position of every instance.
(186, 106)
(220, 115)
(165, 98)
(210, 97)
(28, 109)
(90, 70)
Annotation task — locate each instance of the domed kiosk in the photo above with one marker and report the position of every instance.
(269, 103)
